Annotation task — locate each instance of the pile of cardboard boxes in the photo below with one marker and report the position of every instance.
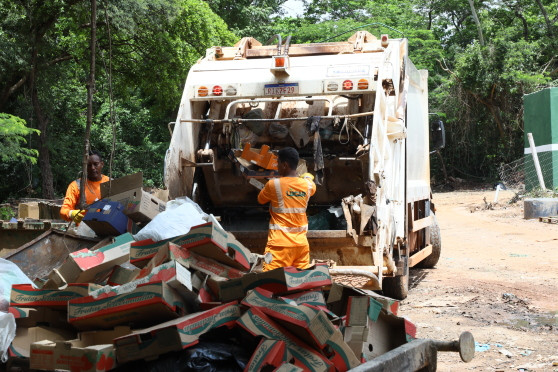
(138, 300)
(135, 301)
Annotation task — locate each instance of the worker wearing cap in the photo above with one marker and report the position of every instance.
(69, 210)
(288, 197)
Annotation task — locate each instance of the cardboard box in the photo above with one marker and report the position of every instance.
(383, 332)
(28, 210)
(90, 352)
(169, 250)
(84, 265)
(268, 354)
(357, 311)
(258, 324)
(213, 242)
(41, 316)
(174, 335)
(139, 205)
(24, 295)
(21, 345)
(107, 218)
(337, 300)
(146, 305)
(122, 274)
(172, 273)
(313, 298)
(281, 280)
(310, 325)
(141, 252)
(288, 367)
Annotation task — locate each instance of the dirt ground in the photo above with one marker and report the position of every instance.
(497, 278)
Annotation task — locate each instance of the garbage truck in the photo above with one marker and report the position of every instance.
(356, 111)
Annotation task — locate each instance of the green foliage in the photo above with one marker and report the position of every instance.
(12, 138)
(6, 213)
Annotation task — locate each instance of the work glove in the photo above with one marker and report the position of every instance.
(308, 176)
(77, 215)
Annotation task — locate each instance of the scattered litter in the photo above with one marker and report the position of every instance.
(481, 347)
(526, 352)
(518, 255)
(506, 353)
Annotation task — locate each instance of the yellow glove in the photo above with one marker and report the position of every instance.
(307, 175)
(77, 215)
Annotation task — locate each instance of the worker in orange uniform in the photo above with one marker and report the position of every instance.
(288, 197)
(69, 210)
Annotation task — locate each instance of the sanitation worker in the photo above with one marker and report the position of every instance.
(288, 197)
(70, 210)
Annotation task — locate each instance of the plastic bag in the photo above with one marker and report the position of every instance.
(10, 274)
(173, 222)
(7, 334)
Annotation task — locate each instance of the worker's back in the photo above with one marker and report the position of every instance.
(288, 197)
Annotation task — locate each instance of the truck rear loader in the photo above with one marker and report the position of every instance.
(357, 112)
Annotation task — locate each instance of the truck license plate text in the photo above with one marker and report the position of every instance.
(280, 89)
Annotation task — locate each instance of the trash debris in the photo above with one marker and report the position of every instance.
(7, 334)
(481, 347)
(505, 352)
(192, 299)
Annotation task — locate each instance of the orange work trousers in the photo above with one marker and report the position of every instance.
(298, 257)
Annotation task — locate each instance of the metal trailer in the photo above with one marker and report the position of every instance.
(419, 355)
(357, 111)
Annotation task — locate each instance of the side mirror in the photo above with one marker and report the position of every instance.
(437, 134)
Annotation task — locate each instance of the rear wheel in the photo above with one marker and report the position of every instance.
(436, 242)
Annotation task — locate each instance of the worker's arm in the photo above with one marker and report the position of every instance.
(70, 201)
(265, 195)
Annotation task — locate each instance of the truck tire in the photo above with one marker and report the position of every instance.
(396, 287)
(436, 242)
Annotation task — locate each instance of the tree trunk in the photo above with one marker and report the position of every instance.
(477, 22)
(90, 93)
(546, 19)
(42, 125)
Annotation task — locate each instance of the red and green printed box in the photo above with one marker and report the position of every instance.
(90, 352)
(24, 295)
(148, 304)
(269, 354)
(255, 322)
(310, 325)
(84, 265)
(174, 335)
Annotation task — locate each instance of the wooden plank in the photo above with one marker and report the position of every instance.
(420, 255)
(422, 223)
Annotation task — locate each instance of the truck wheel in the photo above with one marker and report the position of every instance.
(396, 286)
(436, 241)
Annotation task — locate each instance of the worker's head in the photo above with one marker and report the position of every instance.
(95, 166)
(287, 161)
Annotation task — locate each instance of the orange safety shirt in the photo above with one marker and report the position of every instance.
(92, 194)
(288, 197)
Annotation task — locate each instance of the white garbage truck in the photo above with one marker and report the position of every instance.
(356, 111)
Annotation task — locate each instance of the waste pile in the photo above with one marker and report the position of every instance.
(159, 301)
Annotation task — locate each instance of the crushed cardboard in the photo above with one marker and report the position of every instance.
(91, 352)
(138, 204)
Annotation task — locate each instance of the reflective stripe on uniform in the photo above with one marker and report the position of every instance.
(288, 210)
(273, 226)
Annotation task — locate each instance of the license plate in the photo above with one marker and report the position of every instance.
(280, 89)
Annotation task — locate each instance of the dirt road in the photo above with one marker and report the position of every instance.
(498, 278)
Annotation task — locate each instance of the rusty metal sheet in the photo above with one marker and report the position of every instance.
(38, 257)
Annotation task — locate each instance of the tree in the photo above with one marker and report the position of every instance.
(12, 138)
